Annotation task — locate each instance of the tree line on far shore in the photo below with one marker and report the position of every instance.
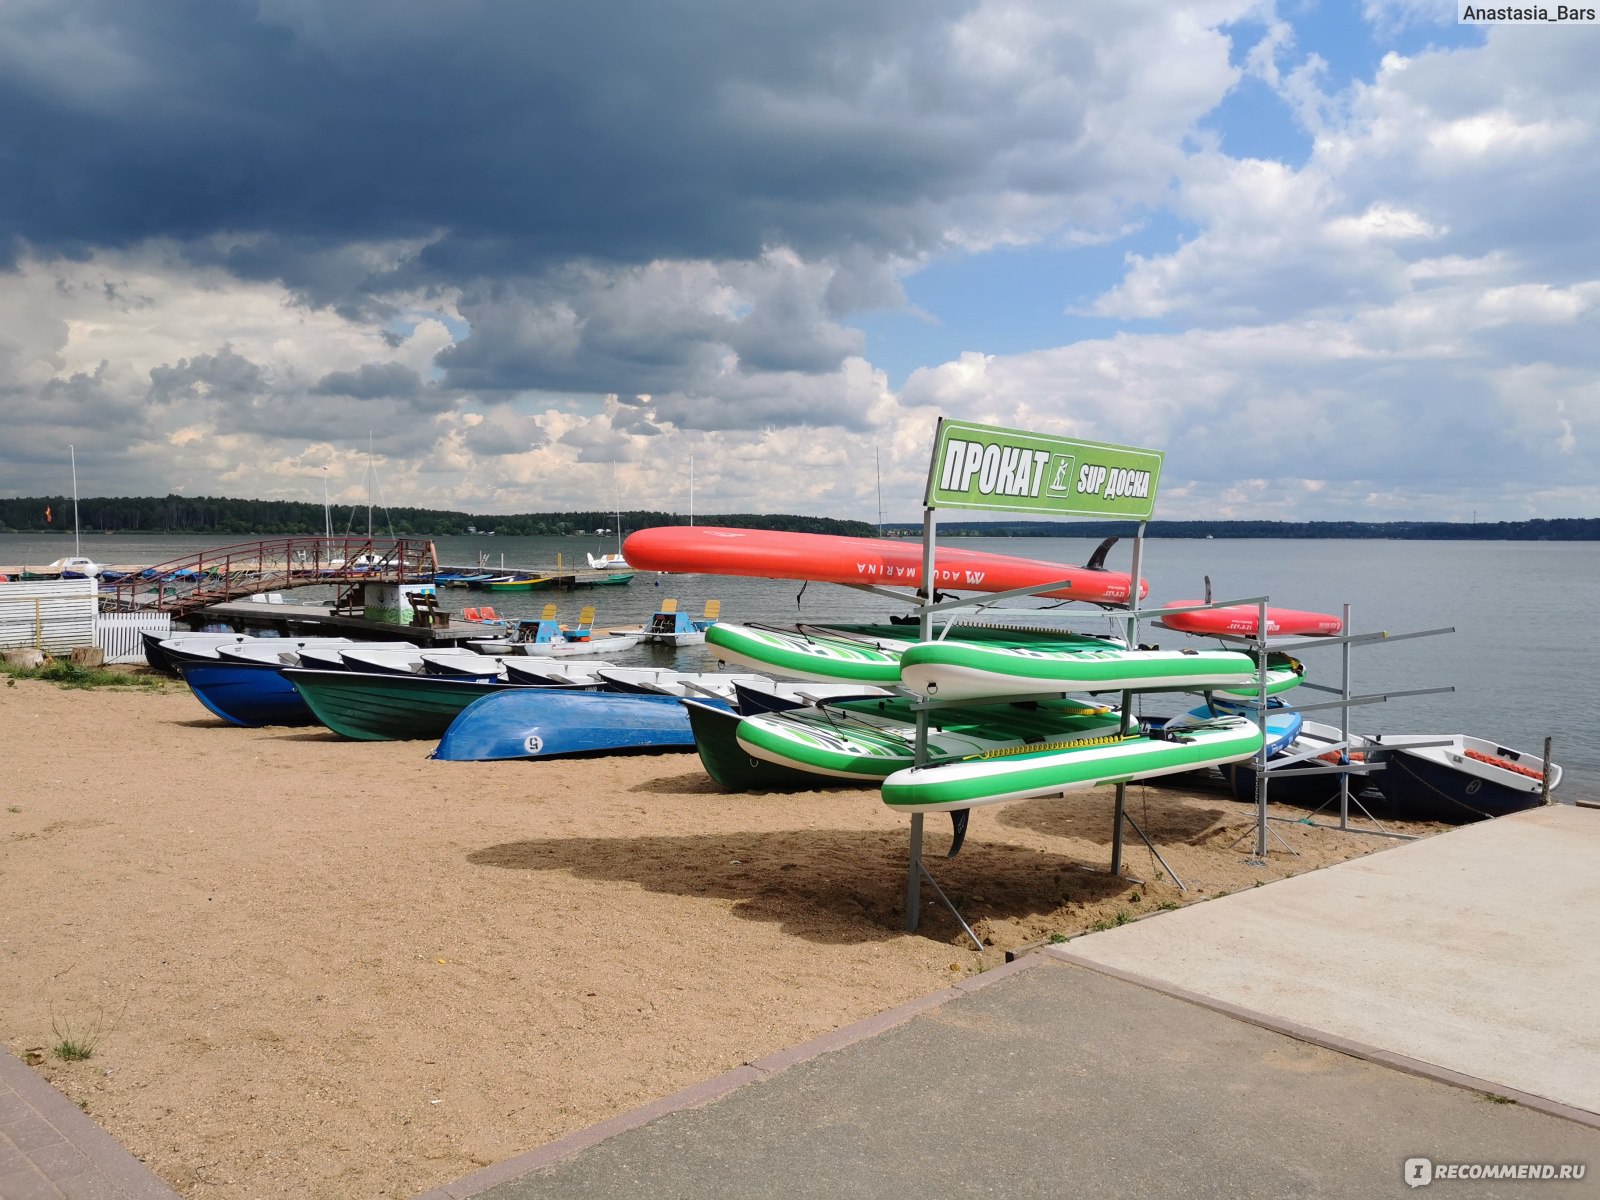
(1560, 529)
(219, 516)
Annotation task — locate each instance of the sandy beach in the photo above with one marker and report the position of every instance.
(321, 968)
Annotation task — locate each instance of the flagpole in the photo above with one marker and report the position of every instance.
(77, 549)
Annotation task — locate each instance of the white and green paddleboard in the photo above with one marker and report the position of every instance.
(865, 653)
(959, 670)
(794, 654)
(999, 775)
(871, 739)
(1283, 673)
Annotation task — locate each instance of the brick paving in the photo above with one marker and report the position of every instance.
(51, 1150)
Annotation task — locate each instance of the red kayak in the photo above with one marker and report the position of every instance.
(830, 558)
(1243, 619)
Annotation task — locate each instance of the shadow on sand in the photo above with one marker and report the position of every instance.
(831, 886)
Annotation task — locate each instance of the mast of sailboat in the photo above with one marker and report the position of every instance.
(370, 470)
(616, 491)
(877, 467)
(77, 547)
(327, 513)
(691, 489)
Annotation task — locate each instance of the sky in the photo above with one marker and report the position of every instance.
(1337, 261)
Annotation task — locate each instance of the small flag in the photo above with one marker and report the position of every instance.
(47, 514)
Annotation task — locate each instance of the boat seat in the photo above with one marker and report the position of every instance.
(471, 614)
(487, 613)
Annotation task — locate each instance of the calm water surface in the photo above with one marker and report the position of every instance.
(1522, 657)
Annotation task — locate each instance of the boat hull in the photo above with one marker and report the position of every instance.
(545, 723)
(1467, 779)
(375, 707)
(730, 766)
(251, 694)
(1048, 771)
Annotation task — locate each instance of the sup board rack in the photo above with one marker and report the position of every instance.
(1261, 647)
(1345, 699)
(928, 602)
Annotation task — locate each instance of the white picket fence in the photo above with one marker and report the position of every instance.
(121, 635)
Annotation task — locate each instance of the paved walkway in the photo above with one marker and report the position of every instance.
(50, 1150)
(1056, 1080)
(1473, 953)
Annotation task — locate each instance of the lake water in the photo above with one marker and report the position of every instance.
(1522, 659)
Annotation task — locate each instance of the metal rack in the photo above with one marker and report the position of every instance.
(1262, 645)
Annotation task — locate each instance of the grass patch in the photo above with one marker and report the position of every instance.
(66, 674)
(1122, 918)
(79, 1045)
(71, 1046)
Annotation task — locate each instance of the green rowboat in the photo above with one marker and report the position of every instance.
(374, 707)
(716, 741)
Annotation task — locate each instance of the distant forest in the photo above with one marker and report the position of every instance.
(1564, 529)
(276, 518)
(272, 518)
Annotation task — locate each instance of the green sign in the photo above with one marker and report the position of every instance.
(1008, 470)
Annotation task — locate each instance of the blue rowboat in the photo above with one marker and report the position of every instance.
(540, 723)
(245, 692)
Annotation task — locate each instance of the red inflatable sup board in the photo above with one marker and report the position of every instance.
(1243, 619)
(830, 558)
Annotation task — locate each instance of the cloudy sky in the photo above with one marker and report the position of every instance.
(1339, 260)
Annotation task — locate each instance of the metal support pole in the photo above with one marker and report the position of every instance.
(914, 868)
(1344, 725)
(1152, 847)
(1544, 784)
(1261, 719)
(914, 876)
(1132, 633)
(1116, 831)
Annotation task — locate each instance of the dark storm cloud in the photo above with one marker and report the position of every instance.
(524, 133)
(370, 381)
(221, 376)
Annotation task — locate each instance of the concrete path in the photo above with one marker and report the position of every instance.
(1476, 952)
(1055, 1081)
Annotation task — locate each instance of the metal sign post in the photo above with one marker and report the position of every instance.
(1011, 470)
